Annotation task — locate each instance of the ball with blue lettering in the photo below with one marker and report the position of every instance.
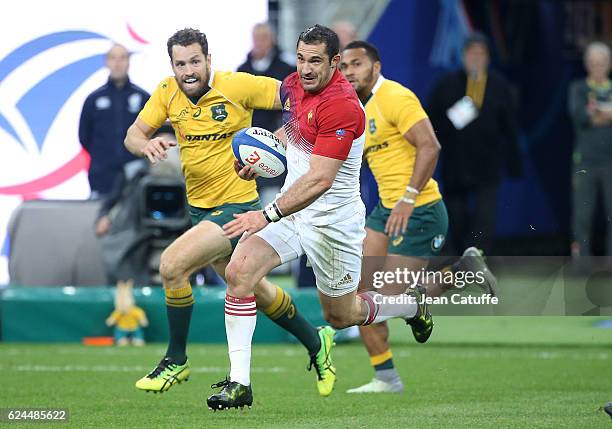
(261, 150)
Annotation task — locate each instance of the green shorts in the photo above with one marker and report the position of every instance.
(222, 214)
(426, 232)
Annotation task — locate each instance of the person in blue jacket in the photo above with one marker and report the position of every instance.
(107, 114)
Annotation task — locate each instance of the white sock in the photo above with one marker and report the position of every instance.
(385, 307)
(240, 320)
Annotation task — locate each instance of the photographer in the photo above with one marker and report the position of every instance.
(145, 209)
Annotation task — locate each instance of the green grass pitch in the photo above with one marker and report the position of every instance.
(476, 372)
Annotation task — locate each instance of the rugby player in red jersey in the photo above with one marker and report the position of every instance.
(319, 213)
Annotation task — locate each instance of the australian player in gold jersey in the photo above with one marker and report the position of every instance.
(410, 222)
(206, 109)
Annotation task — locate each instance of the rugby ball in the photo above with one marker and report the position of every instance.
(260, 149)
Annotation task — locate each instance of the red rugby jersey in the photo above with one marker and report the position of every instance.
(324, 123)
(328, 123)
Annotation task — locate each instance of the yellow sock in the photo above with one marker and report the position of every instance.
(181, 297)
(280, 306)
(382, 361)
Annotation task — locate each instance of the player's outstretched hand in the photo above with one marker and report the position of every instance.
(245, 172)
(245, 223)
(155, 149)
(398, 219)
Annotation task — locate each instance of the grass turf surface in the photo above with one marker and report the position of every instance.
(536, 372)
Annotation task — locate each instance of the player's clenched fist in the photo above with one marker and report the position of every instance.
(155, 149)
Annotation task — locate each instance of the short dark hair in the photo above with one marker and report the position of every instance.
(476, 38)
(320, 34)
(186, 37)
(370, 49)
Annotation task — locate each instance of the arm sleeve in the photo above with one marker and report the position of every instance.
(577, 103)
(339, 124)
(85, 124)
(260, 91)
(155, 111)
(404, 111)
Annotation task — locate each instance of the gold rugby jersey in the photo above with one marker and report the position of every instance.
(391, 111)
(204, 132)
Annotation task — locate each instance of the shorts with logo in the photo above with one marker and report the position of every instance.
(222, 214)
(426, 232)
(334, 250)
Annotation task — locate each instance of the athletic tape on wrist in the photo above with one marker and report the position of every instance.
(266, 216)
(278, 212)
(412, 190)
(271, 214)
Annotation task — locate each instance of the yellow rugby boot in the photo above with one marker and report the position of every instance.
(165, 375)
(322, 362)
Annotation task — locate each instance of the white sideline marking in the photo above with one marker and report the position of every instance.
(120, 368)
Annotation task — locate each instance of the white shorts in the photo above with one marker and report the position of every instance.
(334, 250)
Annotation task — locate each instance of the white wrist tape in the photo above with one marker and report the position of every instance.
(272, 212)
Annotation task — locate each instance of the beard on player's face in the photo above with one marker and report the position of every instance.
(191, 69)
(359, 70)
(194, 84)
(362, 80)
(312, 78)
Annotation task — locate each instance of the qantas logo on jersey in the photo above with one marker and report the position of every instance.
(208, 137)
(377, 147)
